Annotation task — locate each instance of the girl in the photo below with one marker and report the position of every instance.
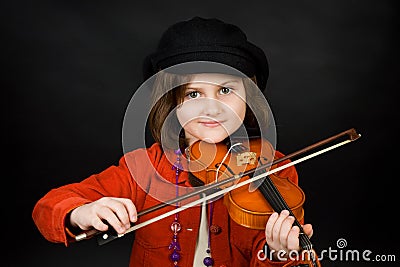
(206, 81)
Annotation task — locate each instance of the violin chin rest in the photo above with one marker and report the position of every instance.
(194, 181)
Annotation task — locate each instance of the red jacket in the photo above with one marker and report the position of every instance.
(233, 246)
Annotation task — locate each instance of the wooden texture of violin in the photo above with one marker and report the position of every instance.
(214, 162)
(211, 162)
(252, 210)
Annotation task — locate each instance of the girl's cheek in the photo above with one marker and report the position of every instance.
(187, 113)
(191, 108)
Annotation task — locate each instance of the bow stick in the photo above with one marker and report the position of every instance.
(110, 235)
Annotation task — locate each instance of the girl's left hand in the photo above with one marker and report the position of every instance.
(282, 237)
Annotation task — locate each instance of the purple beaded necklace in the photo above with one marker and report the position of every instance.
(208, 261)
(175, 256)
(175, 226)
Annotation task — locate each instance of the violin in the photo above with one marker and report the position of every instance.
(247, 207)
(222, 178)
(250, 208)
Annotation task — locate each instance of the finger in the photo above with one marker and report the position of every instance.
(131, 208)
(108, 214)
(308, 230)
(278, 224)
(270, 225)
(286, 226)
(293, 239)
(98, 224)
(119, 208)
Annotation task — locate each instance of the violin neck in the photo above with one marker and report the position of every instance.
(278, 204)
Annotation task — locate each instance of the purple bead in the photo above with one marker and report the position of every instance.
(208, 261)
(175, 227)
(175, 256)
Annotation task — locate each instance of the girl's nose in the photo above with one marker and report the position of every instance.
(211, 107)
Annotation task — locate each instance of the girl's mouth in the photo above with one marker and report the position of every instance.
(210, 124)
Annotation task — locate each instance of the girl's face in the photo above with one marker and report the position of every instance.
(214, 107)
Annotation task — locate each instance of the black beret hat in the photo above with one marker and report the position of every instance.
(200, 39)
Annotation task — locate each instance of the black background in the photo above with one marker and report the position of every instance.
(71, 68)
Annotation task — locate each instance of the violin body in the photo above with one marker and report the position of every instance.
(212, 162)
(248, 207)
(252, 210)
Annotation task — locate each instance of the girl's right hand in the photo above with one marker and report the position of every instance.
(118, 212)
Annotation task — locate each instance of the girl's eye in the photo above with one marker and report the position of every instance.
(193, 94)
(225, 90)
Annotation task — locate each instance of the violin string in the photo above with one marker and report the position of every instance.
(272, 192)
(224, 158)
(278, 201)
(269, 190)
(283, 205)
(304, 240)
(222, 191)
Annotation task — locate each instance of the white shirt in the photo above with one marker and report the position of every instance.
(202, 239)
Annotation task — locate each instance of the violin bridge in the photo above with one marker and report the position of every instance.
(246, 158)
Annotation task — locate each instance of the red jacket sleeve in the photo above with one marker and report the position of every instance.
(50, 211)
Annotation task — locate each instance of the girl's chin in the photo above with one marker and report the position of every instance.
(214, 140)
(209, 137)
